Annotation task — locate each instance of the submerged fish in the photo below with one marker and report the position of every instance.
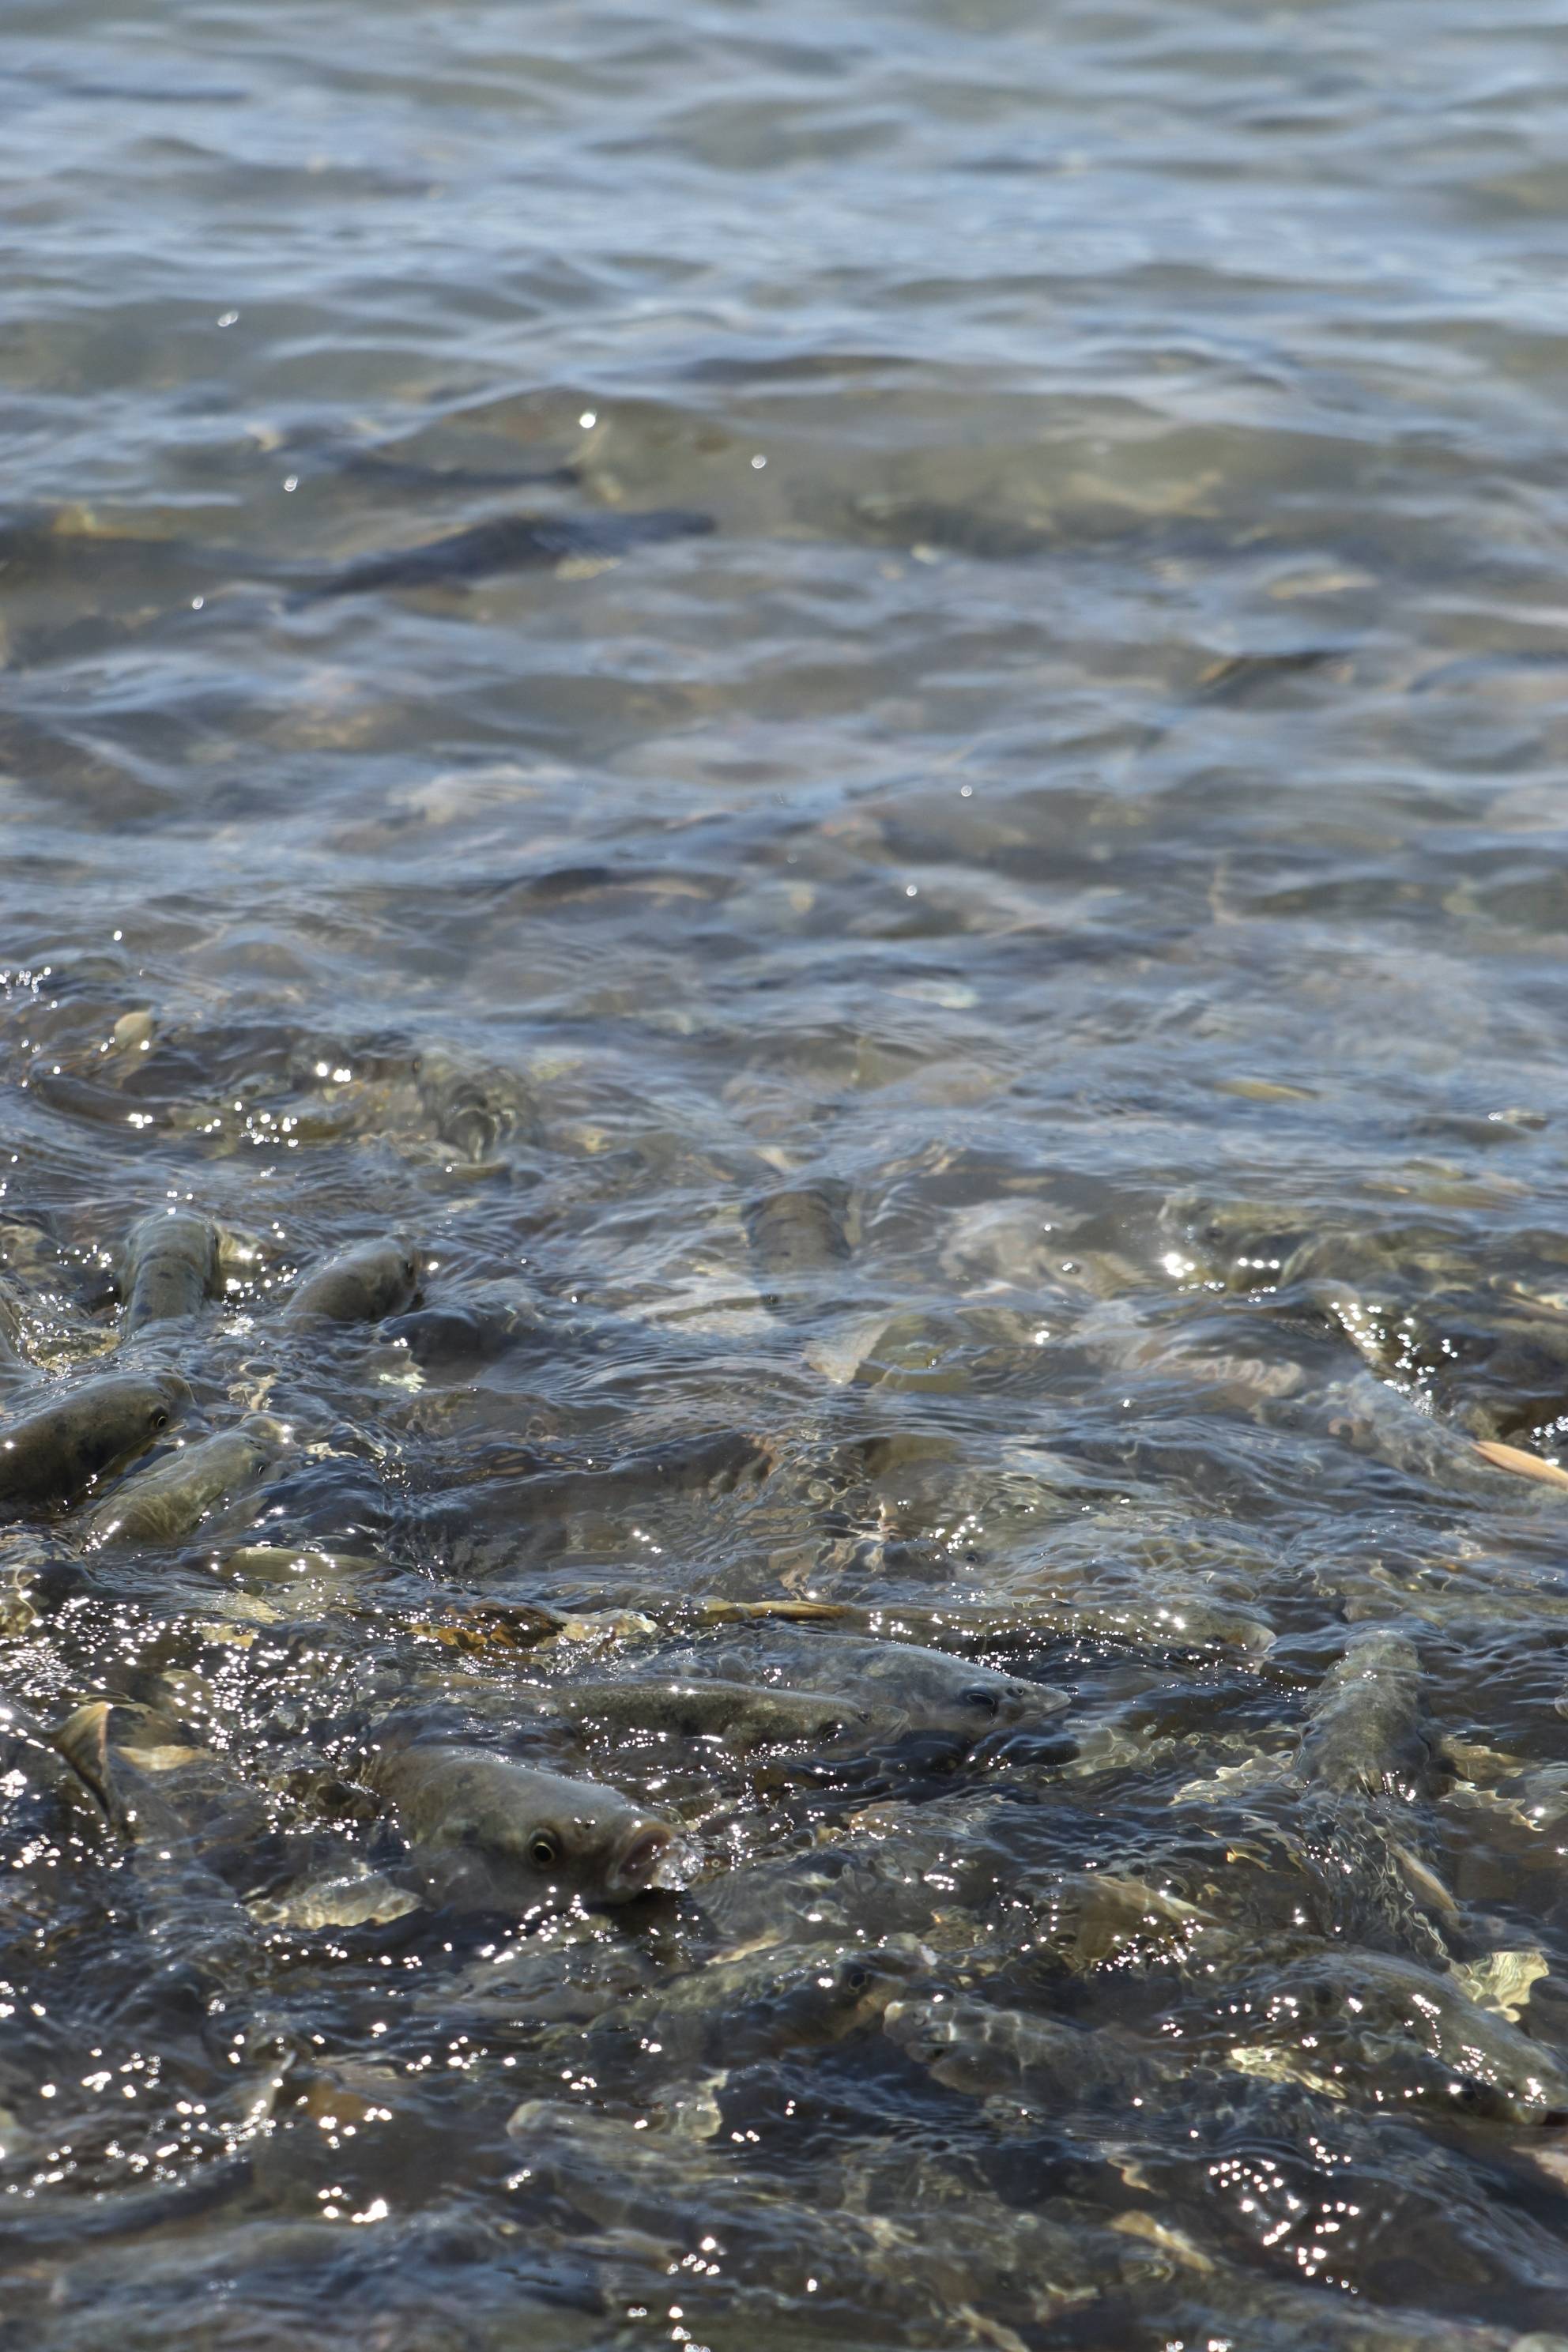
(1387, 2030)
(972, 2046)
(169, 1502)
(1186, 1624)
(935, 1691)
(735, 2012)
(488, 1834)
(157, 1786)
(171, 1267)
(12, 1356)
(51, 1458)
(929, 1690)
(737, 1715)
(796, 1234)
(473, 1105)
(362, 1284)
(465, 1331)
(509, 544)
(1365, 1730)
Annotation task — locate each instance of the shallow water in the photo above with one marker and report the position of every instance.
(982, 1035)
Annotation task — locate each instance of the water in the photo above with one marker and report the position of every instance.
(1084, 826)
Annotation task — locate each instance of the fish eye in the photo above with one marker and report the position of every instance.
(161, 1417)
(543, 1850)
(981, 1697)
(856, 1978)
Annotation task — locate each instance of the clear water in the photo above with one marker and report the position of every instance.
(1091, 807)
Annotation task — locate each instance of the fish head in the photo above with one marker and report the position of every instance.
(562, 1840)
(169, 1398)
(927, 2029)
(1007, 1698)
(851, 1988)
(501, 1835)
(149, 1404)
(967, 1698)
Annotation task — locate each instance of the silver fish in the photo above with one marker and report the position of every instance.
(169, 1502)
(171, 1267)
(489, 1834)
(1365, 1733)
(930, 1689)
(51, 1458)
(362, 1284)
(738, 1715)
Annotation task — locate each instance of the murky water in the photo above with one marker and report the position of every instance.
(860, 713)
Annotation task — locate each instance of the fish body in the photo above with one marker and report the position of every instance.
(737, 1715)
(51, 1458)
(157, 1786)
(972, 2046)
(737, 2011)
(1387, 2030)
(472, 1332)
(12, 1353)
(363, 1284)
(930, 1689)
(519, 542)
(717, 1462)
(798, 1236)
(1160, 1625)
(475, 1106)
(1365, 1735)
(169, 1502)
(171, 1267)
(488, 1834)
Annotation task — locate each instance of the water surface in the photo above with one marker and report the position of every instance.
(1086, 816)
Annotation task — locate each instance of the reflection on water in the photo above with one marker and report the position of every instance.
(798, 778)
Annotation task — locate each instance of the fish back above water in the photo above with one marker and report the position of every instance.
(53, 1456)
(171, 1267)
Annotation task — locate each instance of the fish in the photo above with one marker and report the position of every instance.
(471, 1331)
(474, 1105)
(164, 1791)
(1522, 1464)
(715, 1462)
(12, 1355)
(519, 542)
(934, 1691)
(737, 2009)
(1365, 1733)
(1187, 1624)
(489, 1834)
(737, 1715)
(351, 1897)
(796, 1235)
(933, 2261)
(190, 1827)
(930, 1690)
(1387, 2030)
(31, 1762)
(362, 1284)
(971, 2045)
(54, 1455)
(169, 1502)
(170, 1269)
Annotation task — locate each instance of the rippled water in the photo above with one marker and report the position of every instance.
(966, 1026)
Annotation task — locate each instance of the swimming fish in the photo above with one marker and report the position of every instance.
(171, 1267)
(489, 1834)
(362, 1284)
(51, 1458)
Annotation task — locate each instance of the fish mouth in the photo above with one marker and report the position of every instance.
(640, 1856)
